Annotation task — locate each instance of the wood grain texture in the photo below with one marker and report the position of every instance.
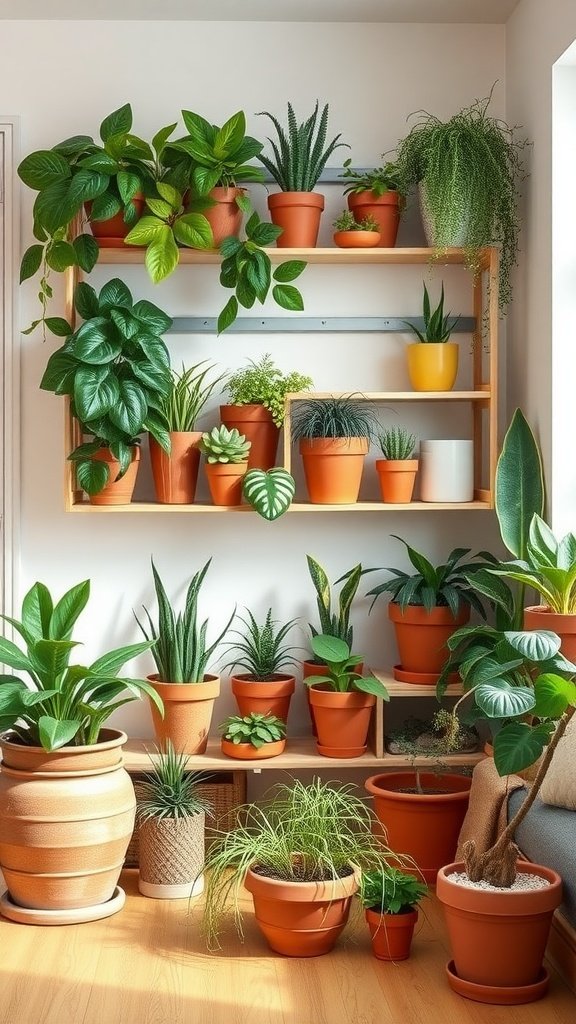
(149, 965)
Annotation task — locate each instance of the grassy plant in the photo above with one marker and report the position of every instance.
(170, 790)
(391, 891)
(346, 222)
(332, 417)
(190, 393)
(379, 180)
(301, 153)
(263, 383)
(397, 444)
(254, 728)
(223, 445)
(437, 326)
(261, 650)
(300, 833)
(181, 652)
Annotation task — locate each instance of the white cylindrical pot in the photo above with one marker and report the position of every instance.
(447, 470)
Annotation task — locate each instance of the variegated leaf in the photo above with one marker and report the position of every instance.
(269, 492)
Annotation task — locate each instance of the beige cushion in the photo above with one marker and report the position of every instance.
(559, 786)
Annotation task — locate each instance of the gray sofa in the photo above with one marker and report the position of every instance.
(548, 836)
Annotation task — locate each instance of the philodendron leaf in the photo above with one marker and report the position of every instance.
(270, 493)
(92, 475)
(517, 746)
(499, 699)
(330, 648)
(368, 684)
(54, 734)
(536, 645)
(553, 695)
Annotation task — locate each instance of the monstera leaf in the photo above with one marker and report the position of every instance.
(270, 493)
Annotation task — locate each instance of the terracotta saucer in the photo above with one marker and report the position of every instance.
(343, 752)
(421, 678)
(498, 995)
(25, 915)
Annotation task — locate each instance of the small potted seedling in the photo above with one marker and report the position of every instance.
(226, 454)
(397, 470)
(253, 736)
(390, 899)
(353, 234)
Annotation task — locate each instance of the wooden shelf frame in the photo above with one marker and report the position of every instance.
(131, 255)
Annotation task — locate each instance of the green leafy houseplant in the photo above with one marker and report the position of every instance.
(255, 729)
(340, 674)
(549, 567)
(116, 370)
(437, 326)
(470, 168)
(269, 492)
(223, 445)
(261, 649)
(379, 180)
(334, 623)
(397, 444)
(391, 891)
(169, 790)
(264, 383)
(332, 417)
(346, 222)
(188, 396)
(167, 225)
(61, 704)
(301, 153)
(219, 155)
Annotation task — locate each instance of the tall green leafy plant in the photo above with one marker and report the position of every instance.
(219, 155)
(340, 672)
(190, 392)
(334, 622)
(166, 226)
(301, 152)
(431, 586)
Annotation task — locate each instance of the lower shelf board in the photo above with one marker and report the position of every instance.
(360, 506)
(300, 753)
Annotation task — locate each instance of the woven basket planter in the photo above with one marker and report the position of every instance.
(171, 857)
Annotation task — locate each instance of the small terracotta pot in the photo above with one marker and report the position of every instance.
(176, 475)
(311, 668)
(397, 479)
(170, 857)
(342, 720)
(498, 939)
(116, 492)
(110, 234)
(333, 468)
(246, 752)
(225, 218)
(422, 636)
(225, 481)
(298, 214)
(258, 427)
(271, 697)
(433, 366)
(356, 239)
(391, 934)
(424, 826)
(188, 711)
(385, 210)
(301, 918)
(541, 617)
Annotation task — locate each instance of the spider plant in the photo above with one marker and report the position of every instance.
(301, 153)
(169, 790)
(261, 648)
(189, 394)
(332, 417)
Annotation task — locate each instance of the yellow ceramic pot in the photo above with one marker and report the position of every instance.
(433, 366)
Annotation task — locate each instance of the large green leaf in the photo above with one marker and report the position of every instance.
(130, 408)
(51, 657)
(145, 231)
(31, 261)
(193, 230)
(96, 343)
(553, 695)
(517, 746)
(542, 544)
(289, 271)
(499, 699)
(154, 349)
(12, 656)
(519, 486)
(92, 475)
(115, 293)
(55, 734)
(87, 185)
(154, 318)
(86, 249)
(43, 168)
(330, 648)
(37, 611)
(269, 493)
(230, 135)
(110, 664)
(59, 374)
(58, 326)
(368, 684)
(68, 609)
(96, 391)
(54, 208)
(86, 300)
(162, 254)
(156, 378)
(119, 122)
(228, 315)
(60, 255)
(105, 206)
(536, 645)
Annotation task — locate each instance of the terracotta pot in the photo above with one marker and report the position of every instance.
(246, 752)
(225, 481)
(225, 218)
(116, 492)
(422, 636)
(67, 818)
(424, 826)
(110, 234)
(391, 934)
(170, 857)
(258, 427)
(498, 939)
(188, 711)
(311, 668)
(386, 212)
(271, 697)
(541, 617)
(298, 214)
(333, 468)
(175, 475)
(301, 918)
(342, 720)
(397, 478)
(433, 366)
(356, 239)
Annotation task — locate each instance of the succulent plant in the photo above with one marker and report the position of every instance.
(347, 222)
(223, 445)
(253, 728)
(397, 444)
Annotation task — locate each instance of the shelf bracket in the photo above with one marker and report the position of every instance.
(310, 324)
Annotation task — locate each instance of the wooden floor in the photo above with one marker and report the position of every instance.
(148, 965)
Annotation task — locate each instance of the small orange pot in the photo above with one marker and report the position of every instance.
(298, 214)
(356, 239)
(225, 481)
(188, 711)
(301, 918)
(333, 468)
(397, 478)
(424, 826)
(311, 668)
(176, 475)
(225, 218)
(116, 492)
(386, 212)
(246, 752)
(342, 720)
(498, 939)
(391, 934)
(422, 636)
(110, 234)
(258, 427)
(433, 366)
(541, 617)
(271, 697)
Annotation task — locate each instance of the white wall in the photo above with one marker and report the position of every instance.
(61, 79)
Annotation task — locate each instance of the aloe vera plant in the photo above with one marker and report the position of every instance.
(301, 153)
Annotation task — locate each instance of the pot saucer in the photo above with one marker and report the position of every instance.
(341, 752)
(498, 995)
(402, 675)
(79, 915)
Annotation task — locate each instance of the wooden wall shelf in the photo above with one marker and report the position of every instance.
(130, 254)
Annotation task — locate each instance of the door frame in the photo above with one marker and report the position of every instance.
(10, 356)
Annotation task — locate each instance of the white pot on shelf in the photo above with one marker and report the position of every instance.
(447, 470)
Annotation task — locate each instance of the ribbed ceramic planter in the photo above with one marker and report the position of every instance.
(67, 818)
(391, 934)
(188, 711)
(333, 468)
(171, 854)
(384, 209)
(116, 492)
(175, 475)
(258, 427)
(225, 482)
(271, 697)
(421, 637)
(298, 214)
(342, 720)
(225, 217)
(301, 918)
(541, 617)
